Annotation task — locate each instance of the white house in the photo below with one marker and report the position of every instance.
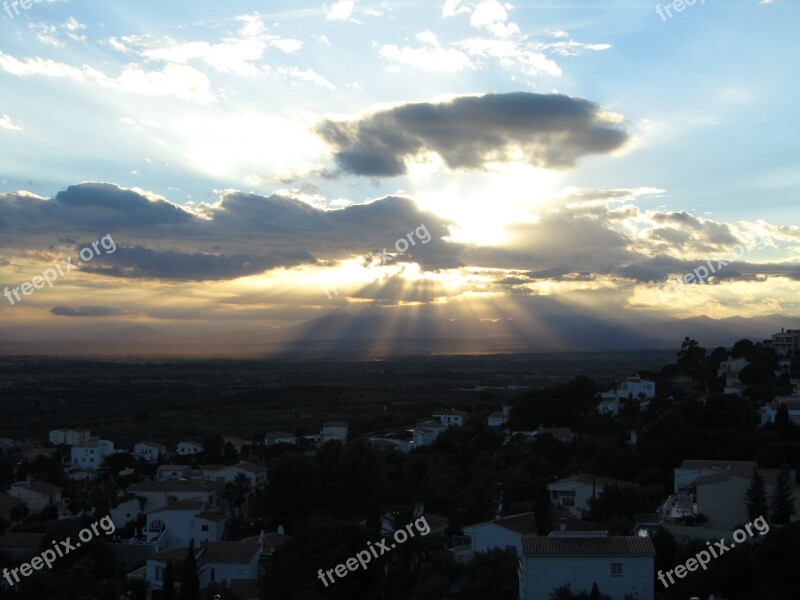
(149, 451)
(770, 411)
(125, 512)
(786, 343)
(450, 417)
(573, 493)
(497, 419)
(237, 443)
(619, 565)
(503, 533)
(91, 454)
(609, 403)
(70, 437)
(334, 430)
(729, 369)
(189, 448)
(37, 495)
(166, 491)
(633, 387)
(174, 472)
(691, 469)
(256, 474)
(721, 496)
(184, 521)
(279, 437)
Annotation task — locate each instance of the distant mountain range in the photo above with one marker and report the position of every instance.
(350, 336)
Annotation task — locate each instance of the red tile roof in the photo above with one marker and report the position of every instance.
(588, 546)
(231, 552)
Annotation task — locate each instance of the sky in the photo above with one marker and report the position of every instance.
(257, 165)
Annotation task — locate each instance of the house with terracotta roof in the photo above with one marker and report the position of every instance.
(574, 493)
(507, 532)
(223, 562)
(621, 566)
(38, 495)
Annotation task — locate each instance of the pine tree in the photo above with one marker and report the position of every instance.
(190, 582)
(543, 511)
(782, 500)
(168, 592)
(756, 497)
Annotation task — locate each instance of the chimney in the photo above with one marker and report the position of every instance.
(563, 524)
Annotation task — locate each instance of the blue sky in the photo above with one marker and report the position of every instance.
(199, 104)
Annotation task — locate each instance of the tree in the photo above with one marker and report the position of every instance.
(782, 500)
(190, 582)
(744, 348)
(756, 373)
(756, 497)
(213, 446)
(543, 511)
(168, 592)
(783, 423)
(691, 357)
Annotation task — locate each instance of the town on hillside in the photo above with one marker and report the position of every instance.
(680, 481)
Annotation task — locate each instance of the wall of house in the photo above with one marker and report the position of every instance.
(226, 571)
(487, 536)
(543, 574)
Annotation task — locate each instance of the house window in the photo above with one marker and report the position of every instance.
(204, 527)
(616, 569)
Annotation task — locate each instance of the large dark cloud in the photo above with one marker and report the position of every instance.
(239, 235)
(551, 130)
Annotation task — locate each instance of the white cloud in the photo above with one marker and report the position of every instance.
(491, 15)
(430, 58)
(452, 8)
(309, 75)
(7, 123)
(341, 10)
(180, 81)
(47, 34)
(234, 55)
(526, 57)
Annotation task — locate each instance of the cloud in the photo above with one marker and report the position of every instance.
(545, 130)
(452, 8)
(87, 311)
(492, 16)
(238, 235)
(341, 10)
(181, 81)
(431, 56)
(7, 123)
